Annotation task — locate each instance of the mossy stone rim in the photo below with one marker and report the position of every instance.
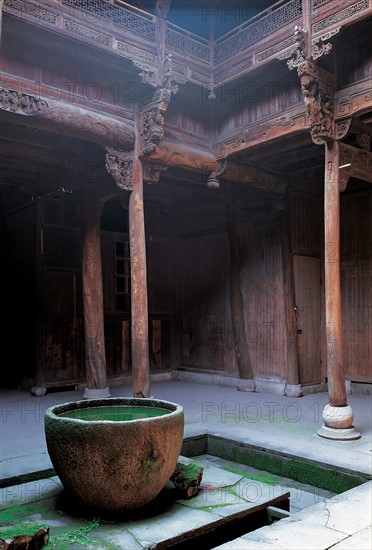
(55, 411)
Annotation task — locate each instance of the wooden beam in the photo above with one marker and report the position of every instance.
(180, 155)
(356, 163)
(250, 175)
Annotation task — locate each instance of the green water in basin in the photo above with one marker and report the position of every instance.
(120, 413)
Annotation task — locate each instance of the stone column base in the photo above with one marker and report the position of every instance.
(96, 393)
(338, 423)
(39, 391)
(246, 384)
(339, 433)
(293, 390)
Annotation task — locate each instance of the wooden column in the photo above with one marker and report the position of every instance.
(139, 306)
(95, 357)
(337, 415)
(237, 303)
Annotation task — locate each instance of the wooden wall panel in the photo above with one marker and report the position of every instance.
(264, 298)
(356, 284)
(203, 293)
(306, 223)
(354, 56)
(241, 103)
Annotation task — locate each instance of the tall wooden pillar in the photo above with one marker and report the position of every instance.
(337, 415)
(139, 305)
(95, 356)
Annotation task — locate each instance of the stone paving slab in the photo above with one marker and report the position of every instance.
(334, 524)
(348, 512)
(362, 540)
(291, 534)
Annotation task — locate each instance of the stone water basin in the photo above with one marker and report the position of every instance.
(114, 454)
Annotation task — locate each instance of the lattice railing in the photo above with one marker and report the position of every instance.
(119, 14)
(187, 43)
(258, 28)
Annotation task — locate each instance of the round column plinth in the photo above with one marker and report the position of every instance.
(99, 393)
(246, 384)
(338, 423)
(293, 390)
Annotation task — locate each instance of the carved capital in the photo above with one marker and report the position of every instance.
(318, 87)
(120, 165)
(21, 103)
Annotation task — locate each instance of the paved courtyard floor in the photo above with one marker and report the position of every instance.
(318, 518)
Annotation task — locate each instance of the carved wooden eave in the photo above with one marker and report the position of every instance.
(288, 122)
(72, 120)
(356, 163)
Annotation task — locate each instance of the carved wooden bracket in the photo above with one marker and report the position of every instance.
(302, 50)
(213, 181)
(299, 54)
(152, 122)
(162, 8)
(318, 87)
(120, 165)
(342, 128)
(152, 172)
(152, 113)
(20, 103)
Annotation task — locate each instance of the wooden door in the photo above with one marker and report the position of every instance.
(307, 278)
(60, 332)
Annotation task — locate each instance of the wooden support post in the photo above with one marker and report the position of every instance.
(237, 304)
(293, 386)
(95, 357)
(139, 306)
(337, 415)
